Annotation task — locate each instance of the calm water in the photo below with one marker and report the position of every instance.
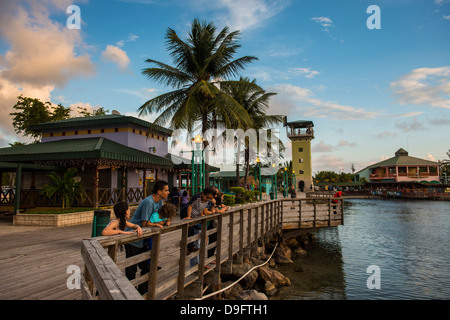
(408, 240)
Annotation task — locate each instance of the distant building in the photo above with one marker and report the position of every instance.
(401, 168)
(115, 158)
(301, 133)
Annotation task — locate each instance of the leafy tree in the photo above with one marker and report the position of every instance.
(66, 186)
(201, 64)
(255, 101)
(31, 111)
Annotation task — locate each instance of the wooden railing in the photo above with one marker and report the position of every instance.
(237, 232)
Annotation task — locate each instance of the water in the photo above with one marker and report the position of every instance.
(408, 240)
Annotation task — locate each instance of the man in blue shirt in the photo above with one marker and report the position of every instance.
(141, 217)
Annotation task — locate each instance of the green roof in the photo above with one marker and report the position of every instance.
(401, 161)
(110, 119)
(57, 152)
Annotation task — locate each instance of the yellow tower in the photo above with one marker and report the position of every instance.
(301, 133)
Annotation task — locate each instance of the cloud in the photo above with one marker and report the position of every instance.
(424, 87)
(322, 147)
(242, 15)
(41, 54)
(304, 71)
(386, 135)
(116, 55)
(408, 126)
(292, 98)
(328, 163)
(323, 21)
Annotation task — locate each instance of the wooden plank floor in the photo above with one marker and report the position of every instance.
(33, 264)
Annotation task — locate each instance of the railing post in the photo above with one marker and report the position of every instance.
(249, 233)
(230, 243)
(202, 252)
(241, 237)
(329, 212)
(256, 224)
(182, 263)
(151, 293)
(300, 214)
(315, 212)
(219, 245)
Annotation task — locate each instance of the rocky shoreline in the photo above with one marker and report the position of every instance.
(265, 281)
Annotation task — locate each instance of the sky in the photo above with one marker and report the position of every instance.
(371, 81)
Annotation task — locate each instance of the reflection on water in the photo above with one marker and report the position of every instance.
(408, 240)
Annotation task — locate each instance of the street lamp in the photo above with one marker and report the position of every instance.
(258, 166)
(285, 176)
(198, 165)
(274, 177)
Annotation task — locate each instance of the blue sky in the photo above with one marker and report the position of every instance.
(369, 92)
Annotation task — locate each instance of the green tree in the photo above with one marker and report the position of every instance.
(255, 101)
(65, 186)
(31, 111)
(201, 64)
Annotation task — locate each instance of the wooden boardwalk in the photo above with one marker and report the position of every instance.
(33, 264)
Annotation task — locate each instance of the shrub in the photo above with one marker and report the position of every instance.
(239, 191)
(229, 199)
(239, 200)
(249, 195)
(256, 194)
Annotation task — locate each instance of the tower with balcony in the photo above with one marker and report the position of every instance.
(301, 133)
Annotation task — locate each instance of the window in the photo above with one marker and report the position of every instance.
(63, 134)
(300, 149)
(302, 172)
(89, 131)
(76, 133)
(116, 129)
(102, 131)
(300, 160)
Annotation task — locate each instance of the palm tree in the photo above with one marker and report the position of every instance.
(67, 187)
(256, 102)
(201, 63)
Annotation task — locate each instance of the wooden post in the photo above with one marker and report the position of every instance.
(249, 232)
(315, 212)
(329, 212)
(151, 294)
(299, 214)
(202, 253)
(96, 203)
(230, 243)
(182, 263)
(241, 237)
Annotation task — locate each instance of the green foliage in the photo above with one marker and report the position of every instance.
(198, 62)
(31, 112)
(249, 195)
(333, 177)
(229, 199)
(239, 191)
(239, 200)
(65, 186)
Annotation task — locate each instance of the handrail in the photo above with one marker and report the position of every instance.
(238, 231)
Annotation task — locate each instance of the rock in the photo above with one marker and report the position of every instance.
(269, 288)
(292, 243)
(274, 276)
(283, 256)
(251, 295)
(249, 280)
(233, 292)
(299, 252)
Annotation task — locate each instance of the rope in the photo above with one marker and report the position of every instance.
(228, 287)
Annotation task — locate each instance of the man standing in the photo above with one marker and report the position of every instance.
(141, 217)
